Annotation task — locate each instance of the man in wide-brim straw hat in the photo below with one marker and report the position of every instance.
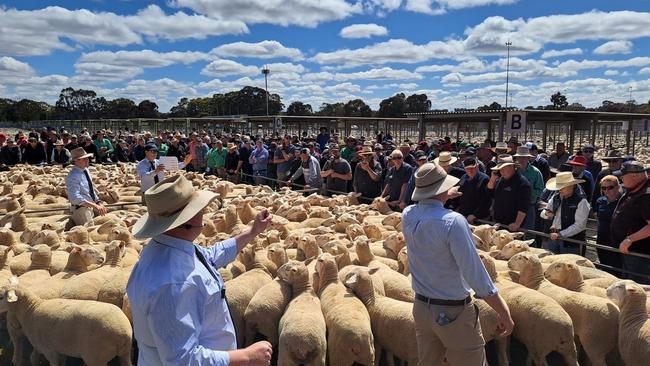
(446, 268)
(569, 210)
(177, 296)
(82, 193)
(511, 193)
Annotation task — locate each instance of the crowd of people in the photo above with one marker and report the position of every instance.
(511, 183)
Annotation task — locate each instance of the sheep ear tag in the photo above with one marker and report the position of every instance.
(13, 280)
(11, 296)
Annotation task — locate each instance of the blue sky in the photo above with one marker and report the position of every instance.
(328, 50)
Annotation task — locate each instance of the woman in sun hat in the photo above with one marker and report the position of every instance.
(445, 269)
(569, 210)
(177, 296)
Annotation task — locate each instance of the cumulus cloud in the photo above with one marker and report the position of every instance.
(265, 50)
(228, 68)
(469, 66)
(285, 13)
(363, 31)
(614, 47)
(611, 72)
(394, 50)
(12, 68)
(560, 53)
(645, 71)
(52, 28)
(441, 6)
(384, 73)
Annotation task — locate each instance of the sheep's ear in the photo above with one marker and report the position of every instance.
(518, 235)
(373, 270)
(529, 242)
(581, 262)
(570, 266)
(11, 296)
(7, 249)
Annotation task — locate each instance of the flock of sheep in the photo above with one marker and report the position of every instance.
(328, 283)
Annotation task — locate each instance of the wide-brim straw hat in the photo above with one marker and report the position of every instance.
(503, 161)
(524, 152)
(612, 155)
(367, 150)
(500, 146)
(231, 146)
(79, 153)
(432, 180)
(562, 180)
(170, 203)
(445, 158)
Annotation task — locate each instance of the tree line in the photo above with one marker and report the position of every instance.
(86, 104)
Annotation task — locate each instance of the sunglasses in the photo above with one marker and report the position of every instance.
(607, 188)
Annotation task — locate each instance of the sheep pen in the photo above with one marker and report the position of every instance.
(365, 237)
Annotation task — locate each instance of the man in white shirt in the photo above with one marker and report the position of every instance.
(82, 194)
(151, 171)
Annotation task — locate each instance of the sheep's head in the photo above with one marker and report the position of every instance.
(8, 294)
(326, 265)
(562, 273)
(392, 220)
(277, 254)
(115, 250)
(395, 242)
(503, 237)
(359, 281)
(488, 263)
(512, 248)
(89, 254)
(521, 260)
(624, 291)
(292, 271)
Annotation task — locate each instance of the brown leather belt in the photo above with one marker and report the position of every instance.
(442, 302)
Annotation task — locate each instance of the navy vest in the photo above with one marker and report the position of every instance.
(569, 208)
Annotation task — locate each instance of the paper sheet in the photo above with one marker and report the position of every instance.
(170, 162)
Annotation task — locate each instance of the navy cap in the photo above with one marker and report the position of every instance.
(631, 167)
(150, 147)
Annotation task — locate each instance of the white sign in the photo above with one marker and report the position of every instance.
(516, 122)
(170, 162)
(278, 123)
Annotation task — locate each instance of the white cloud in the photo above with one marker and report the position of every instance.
(596, 64)
(530, 35)
(560, 53)
(394, 50)
(265, 50)
(384, 73)
(645, 71)
(611, 72)
(10, 69)
(38, 32)
(426, 6)
(469, 66)
(287, 12)
(227, 68)
(363, 31)
(614, 47)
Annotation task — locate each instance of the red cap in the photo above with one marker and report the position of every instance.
(578, 161)
(3, 136)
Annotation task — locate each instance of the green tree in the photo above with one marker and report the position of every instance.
(299, 108)
(180, 109)
(7, 109)
(356, 108)
(334, 109)
(78, 104)
(148, 109)
(121, 108)
(559, 101)
(575, 107)
(492, 106)
(30, 110)
(417, 103)
(394, 106)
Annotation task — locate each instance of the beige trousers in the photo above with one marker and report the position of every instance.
(82, 215)
(462, 338)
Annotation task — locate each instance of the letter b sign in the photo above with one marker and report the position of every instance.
(516, 122)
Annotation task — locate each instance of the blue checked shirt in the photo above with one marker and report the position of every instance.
(78, 188)
(442, 255)
(179, 314)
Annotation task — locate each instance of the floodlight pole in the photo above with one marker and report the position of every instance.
(508, 44)
(266, 71)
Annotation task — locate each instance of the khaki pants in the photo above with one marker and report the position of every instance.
(82, 215)
(462, 337)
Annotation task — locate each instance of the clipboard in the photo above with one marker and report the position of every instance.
(170, 162)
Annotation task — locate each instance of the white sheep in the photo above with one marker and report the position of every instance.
(392, 320)
(395, 284)
(634, 322)
(540, 323)
(593, 317)
(349, 334)
(93, 331)
(302, 338)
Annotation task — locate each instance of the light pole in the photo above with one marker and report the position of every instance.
(508, 44)
(266, 71)
(630, 100)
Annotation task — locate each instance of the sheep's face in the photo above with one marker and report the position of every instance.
(91, 256)
(291, 270)
(518, 261)
(395, 242)
(8, 294)
(510, 249)
(619, 290)
(560, 272)
(325, 263)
